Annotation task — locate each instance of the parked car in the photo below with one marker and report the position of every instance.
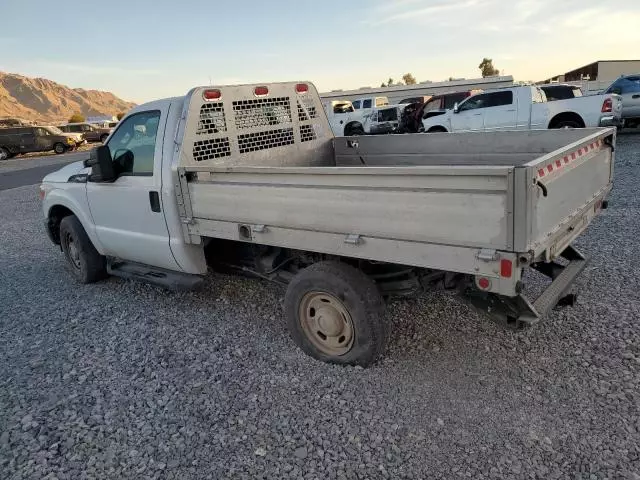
(628, 87)
(412, 115)
(17, 140)
(278, 197)
(78, 138)
(345, 120)
(524, 108)
(91, 132)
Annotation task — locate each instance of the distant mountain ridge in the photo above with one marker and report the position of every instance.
(42, 100)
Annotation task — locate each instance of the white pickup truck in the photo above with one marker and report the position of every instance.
(524, 108)
(345, 120)
(250, 178)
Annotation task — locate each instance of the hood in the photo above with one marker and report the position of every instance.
(62, 175)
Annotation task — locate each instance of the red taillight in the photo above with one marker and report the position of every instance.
(506, 268)
(260, 91)
(302, 88)
(607, 105)
(484, 283)
(211, 94)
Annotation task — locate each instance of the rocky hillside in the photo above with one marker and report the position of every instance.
(42, 100)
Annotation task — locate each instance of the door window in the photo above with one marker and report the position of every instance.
(41, 132)
(133, 144)
(366, 103)
(498, 99)
(475, 102)
(356, 104)
(86, 128)
(451, 99)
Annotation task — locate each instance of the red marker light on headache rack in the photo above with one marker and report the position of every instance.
(260, 91)
(302, 88)
(211, 94)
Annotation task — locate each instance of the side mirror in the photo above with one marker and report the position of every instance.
(456, 108)
(101, 164)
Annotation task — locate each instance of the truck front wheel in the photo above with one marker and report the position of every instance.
(335, 314)
(86, 264)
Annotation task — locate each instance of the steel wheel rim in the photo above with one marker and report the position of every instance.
(326, 323)
(58, 148)
(72, 251)
(3, 155)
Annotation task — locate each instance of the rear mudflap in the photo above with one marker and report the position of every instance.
(518, 312)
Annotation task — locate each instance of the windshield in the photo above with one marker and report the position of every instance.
(54, 130)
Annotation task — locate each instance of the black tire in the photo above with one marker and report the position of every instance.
(5, 154)
(103, 137)
(362, 301)
(567, 124)
(354, 131)
(84, 261)
(59, 148)
(437, 130)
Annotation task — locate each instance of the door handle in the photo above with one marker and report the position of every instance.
(635, 96)
(154, 200)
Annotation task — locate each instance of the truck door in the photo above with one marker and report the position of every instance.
(501, 112)
(28, 140)
(42, 140)
(470, 114)
(127, 213)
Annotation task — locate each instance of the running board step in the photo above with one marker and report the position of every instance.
(550, 297)
(169, 279)
(518, 312)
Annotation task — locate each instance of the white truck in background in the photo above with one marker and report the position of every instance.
(345, 120)
(526, 108)
(250, 178)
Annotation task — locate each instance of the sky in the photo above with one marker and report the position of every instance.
(147, 49)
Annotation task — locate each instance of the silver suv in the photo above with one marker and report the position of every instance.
(628, 87)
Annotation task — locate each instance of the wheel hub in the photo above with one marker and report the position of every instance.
(326, 323)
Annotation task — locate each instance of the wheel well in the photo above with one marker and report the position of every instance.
(56, 214)
(352, 124)
(566, 117)
(437, 128)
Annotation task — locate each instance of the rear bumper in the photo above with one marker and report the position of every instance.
(610, 121)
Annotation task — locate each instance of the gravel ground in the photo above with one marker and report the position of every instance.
(124, 380)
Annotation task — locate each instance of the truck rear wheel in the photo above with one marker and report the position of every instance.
(59, 148)
(86, 264)
(335, 314)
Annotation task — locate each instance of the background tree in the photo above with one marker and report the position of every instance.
(120, 115)
(409, 79)
(486, 66)
(77, 118)
(388, 84)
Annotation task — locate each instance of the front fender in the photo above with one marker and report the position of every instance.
(73, 196)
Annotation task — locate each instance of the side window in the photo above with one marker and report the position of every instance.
(475, 102)
(630, 85)
(133, 144)
(434, 103)
(41, 132)
(366, 103)
(356, 104)
(381, 101)
(498, 99)
(86, 128)
(451, 100)
(75, 128)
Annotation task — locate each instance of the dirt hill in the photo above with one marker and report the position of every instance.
(43, 100)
